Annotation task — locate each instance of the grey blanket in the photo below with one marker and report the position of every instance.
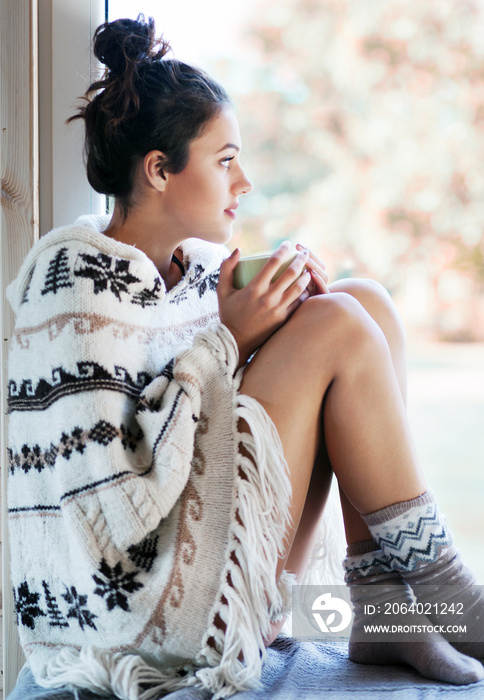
(297, 670)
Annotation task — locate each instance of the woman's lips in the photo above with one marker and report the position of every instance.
(230, 211)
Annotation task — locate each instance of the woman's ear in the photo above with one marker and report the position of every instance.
(153, 165)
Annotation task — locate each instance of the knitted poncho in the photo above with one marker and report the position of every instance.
(144, 544)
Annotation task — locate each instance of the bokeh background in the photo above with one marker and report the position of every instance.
(363, 133)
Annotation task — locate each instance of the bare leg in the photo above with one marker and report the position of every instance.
(332, 348)
(448, 567)
(378, 304)
(296, 408)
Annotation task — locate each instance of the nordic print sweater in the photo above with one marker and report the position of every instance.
(144, 544)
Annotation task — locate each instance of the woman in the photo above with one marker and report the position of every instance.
(164, 489)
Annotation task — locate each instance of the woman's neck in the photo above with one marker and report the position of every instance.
(140, 229)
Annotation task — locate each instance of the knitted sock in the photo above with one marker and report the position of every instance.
(375, 586)
(418, 545)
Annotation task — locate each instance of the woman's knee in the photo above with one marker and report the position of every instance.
(326, 332)
(336, 319)
(377, 302)
(371, 294)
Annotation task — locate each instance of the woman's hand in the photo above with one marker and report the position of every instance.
(254, 313)
(319, 276)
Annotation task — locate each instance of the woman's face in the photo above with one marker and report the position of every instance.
(200, 202)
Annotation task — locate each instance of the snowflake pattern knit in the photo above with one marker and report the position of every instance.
(131, 505)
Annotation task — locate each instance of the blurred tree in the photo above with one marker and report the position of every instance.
(363, 131)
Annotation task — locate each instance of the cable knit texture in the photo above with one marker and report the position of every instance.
(144, 540)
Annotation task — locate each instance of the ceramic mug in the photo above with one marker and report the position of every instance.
(249, 266)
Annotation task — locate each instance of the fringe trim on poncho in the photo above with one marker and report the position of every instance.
(249, 597)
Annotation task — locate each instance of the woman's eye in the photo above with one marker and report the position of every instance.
(226, 161)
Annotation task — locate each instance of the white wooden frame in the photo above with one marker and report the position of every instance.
(19, 217)
(45, 65)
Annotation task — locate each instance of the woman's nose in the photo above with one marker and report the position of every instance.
(244, 185)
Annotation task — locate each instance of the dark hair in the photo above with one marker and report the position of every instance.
(143, 102)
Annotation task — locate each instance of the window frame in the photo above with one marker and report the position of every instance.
(66, 69)
(46, 64)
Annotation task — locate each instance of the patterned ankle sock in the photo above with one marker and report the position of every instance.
(417, 543)
(379, 595)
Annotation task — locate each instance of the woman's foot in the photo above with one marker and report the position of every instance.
(387, 628)
(418, 545)
(433, 658)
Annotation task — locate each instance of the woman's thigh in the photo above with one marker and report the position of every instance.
(290, 375)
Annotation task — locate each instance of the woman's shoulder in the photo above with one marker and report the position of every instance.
(203, 253)
(65, 255)
(77, 270)
(197, 289)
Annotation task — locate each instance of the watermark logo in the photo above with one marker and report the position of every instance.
(332, 614)
(324, 613)
(321, 613)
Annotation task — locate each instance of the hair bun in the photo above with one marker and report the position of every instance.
(127, 42)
